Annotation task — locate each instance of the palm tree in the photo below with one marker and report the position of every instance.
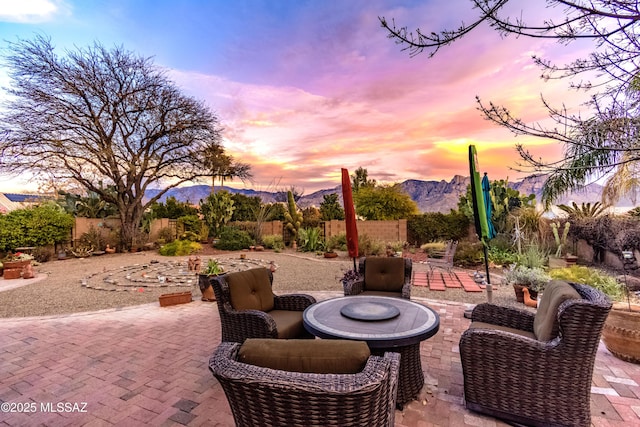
(223, 166)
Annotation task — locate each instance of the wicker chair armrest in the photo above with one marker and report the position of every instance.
(353, 287)
(503, 316)
(406, 289)
(242, 324)
(293, 302)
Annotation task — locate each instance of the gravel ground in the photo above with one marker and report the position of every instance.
(61, 291)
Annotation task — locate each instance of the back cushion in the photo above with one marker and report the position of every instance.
(310, 356)
(250, 290)
(545, 324)
(384, 274)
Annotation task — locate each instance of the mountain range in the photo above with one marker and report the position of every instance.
(430, 196)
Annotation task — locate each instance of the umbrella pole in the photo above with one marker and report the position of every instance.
(354, 264)
(486, 268)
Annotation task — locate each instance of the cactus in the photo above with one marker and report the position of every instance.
(561, 241)
(292, 217)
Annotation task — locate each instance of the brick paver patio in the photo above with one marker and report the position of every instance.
(148, 366)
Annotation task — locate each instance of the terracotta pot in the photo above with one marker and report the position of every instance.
(206, 288)
(174, 298)
(621, 332)
(16, 264)
(330, 255)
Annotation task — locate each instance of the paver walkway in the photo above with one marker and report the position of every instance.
(148, 366)
(437, 280)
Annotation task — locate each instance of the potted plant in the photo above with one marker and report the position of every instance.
(532, 278)
(621, 332)
(212, 268)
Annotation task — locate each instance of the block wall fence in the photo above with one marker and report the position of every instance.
(385, 231)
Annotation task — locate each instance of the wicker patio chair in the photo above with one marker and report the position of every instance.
(446, 262)
(249, 309)
(382, 276)
(535, 369)
(262, 396)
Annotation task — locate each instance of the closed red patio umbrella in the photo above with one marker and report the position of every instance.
(350, 217)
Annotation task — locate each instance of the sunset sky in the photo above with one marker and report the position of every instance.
(305, 87)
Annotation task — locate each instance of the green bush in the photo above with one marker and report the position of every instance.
(434, 248)
(166, 234)
(180, 248)
(41, 225)
(592, 277)
(310, 239)
(436, 226)
(500, 256)
(232, 239)
(273, 241)
(468, 254)
(337, 242)
(368, 247)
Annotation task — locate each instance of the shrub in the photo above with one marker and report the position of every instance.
(534, 278)
(180, 248)
(42, 225)
(310, 239)
(166, 234)
(436, 226)
(500, 256)
(232, 239)
(468, 254)
(337, 242)
(273, 241)
(433, 248)
(592, 277)
(367, 247)
(93, 239)
(42, 253)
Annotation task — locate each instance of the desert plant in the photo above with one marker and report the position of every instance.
(212, 267)
(534, 278)
(180, 248)
(367, 246)
(217, 210)
(592, 277)
(533, 256)
(93, 238)
(232, 239)
(337, 242)
(501, 256)
(468, 254)
(585, 210)
(433, 249)
(42, 253)
(166, 234)
(292, 217)
(310, 239)
(561, 240)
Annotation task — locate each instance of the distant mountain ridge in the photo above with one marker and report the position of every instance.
(430, 196)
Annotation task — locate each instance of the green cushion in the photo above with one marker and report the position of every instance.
(250, 290)
(310, 356)
(384, 274)
(545, 324)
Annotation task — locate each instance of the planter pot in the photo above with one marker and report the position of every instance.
(330, 255)
(621, 333)
(520, 293)
(174, 298)
(16, 264)
(571, 260)
(12, 273)
(206, 288)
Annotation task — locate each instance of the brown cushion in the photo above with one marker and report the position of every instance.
(311, 356)
(545, 324)
(250, 290)
(384, 274)
(483, 325)
(288, 323)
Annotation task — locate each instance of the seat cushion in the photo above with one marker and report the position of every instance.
(288, 323)
(483, 325)
(384, 274)
(310, 356)
(545, 324)
(250, 290)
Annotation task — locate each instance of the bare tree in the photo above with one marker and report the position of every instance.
(104, 119)
(604, 142)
